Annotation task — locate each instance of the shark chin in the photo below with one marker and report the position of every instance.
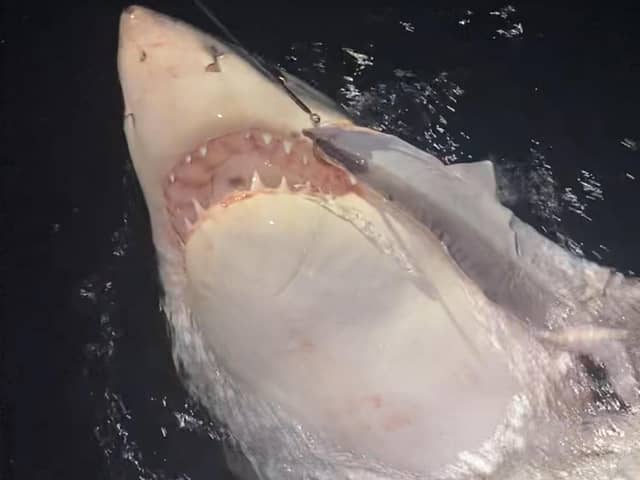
(331, 332)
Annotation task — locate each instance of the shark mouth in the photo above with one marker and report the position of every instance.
(237, 166)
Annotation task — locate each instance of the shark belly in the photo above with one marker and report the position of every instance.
(384, 368)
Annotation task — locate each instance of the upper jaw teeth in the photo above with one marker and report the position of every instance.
(266, 138)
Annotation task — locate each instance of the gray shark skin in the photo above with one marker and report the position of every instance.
(335, 333)
(576, 303)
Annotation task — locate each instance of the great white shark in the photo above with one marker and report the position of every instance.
(345, 304)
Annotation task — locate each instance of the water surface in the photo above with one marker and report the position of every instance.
(89, 387)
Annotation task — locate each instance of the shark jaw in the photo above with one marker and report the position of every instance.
(202, 123)
(290, 278)
(247, 164)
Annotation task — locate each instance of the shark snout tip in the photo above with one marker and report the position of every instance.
(131, 11)
(136, 14)
(138, 23)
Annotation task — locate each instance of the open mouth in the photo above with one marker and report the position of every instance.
(240, 165)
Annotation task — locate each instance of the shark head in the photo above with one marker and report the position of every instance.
(310, 292)
(197, 111)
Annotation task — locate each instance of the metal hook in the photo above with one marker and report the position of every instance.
(278, 75)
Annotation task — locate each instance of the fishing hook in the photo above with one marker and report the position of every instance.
(272, 72)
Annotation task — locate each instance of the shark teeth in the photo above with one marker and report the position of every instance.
(187, 159)
(172, 178)
(305, 160)
(203, 150)
(188, 224)
(256, 182)
(198, 208)
(287, 145)
(284, 186)
(266, 138)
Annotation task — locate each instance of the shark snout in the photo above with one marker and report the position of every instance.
(141, 25)
(136, 15)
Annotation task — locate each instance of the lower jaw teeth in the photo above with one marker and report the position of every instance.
(284, 186)
(256, 182)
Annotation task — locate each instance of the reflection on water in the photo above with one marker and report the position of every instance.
(421, 109)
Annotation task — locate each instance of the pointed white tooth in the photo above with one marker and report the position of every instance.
(284, 186)
(187, 159)
(256, 183)
(286, 144)
(352, 179)
(203, 150)
(198, 208)
(172, 178)
(266, 138)
(305, 160)
(188, 224)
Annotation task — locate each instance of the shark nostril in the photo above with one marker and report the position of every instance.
(212, 67)
(215, 65)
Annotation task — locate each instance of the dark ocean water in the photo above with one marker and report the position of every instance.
(88, 389)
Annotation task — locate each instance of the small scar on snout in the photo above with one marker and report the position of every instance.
(143, 55)
(212, 67)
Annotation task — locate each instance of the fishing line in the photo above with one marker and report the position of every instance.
(272, 72)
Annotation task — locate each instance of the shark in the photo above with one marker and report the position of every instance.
(343, 303)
